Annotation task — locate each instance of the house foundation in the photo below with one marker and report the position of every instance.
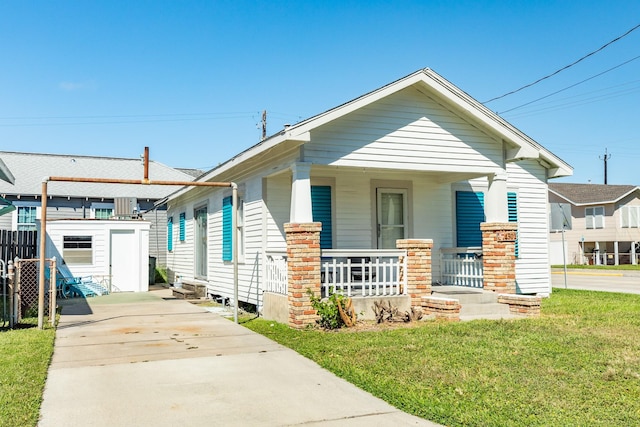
(303, 271)
(498, 256)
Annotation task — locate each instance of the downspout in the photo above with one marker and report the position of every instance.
(43, 254)
(234, 245)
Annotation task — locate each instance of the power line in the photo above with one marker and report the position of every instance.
(569, 87)
(565, 67)
(121, 116)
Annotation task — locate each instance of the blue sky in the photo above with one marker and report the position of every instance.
(189, 79)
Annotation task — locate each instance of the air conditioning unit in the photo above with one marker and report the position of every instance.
(125, 207)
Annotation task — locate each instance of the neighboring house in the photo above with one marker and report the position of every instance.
(79, 200)
(417, 159)
(601, 223)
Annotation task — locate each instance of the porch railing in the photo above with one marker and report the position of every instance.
(275, 279)
(462, 266)
(362, 272)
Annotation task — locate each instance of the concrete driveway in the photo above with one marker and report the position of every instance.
(150, 360)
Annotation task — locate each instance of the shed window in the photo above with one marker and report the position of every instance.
(77, 249)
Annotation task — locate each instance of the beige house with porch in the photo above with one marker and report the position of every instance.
(411, 185)
(598, 224)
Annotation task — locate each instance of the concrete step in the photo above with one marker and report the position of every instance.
(484, 309)
(465, 295)
(182, 293)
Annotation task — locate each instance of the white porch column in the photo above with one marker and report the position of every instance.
(616, 253)
(496, 208)
(301, 212)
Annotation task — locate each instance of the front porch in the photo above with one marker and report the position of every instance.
(402, 276)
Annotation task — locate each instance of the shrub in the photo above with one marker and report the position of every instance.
(328, 309)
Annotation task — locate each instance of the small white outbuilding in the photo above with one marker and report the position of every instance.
(114, 252)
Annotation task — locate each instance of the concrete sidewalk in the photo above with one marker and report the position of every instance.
(150, 360)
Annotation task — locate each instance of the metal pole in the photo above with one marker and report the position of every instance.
(53, 288)
(564, 259)
(43, 242)
(234, 245)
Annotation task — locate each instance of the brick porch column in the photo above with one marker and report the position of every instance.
(499, 256)
(303, 271)
(418, 268)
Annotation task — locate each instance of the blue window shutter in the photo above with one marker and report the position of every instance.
(182, 225)
(469, 215)
(170, 233)
(512, 200)
(321, 208)
(227, 226)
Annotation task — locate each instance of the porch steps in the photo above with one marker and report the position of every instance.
(475, 303)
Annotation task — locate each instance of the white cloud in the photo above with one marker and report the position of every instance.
(72, 86)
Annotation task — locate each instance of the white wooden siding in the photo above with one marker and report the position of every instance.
(404, 131)
(352, 227)
(158, 235)
(433, 218)
(278, 205)
(527, 178)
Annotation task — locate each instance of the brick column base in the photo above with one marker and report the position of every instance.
(499, 256)
(418, 272)
(303, 271)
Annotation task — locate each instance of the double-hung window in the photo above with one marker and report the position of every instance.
(630, 216)
(27, 216)
(594, 217)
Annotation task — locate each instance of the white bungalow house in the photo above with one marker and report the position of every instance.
(398, 181)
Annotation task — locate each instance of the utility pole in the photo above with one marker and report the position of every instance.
(264, 125)
(605, 158)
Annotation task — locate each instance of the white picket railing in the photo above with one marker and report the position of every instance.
(462, 267)
(275, 279)
(362, 272)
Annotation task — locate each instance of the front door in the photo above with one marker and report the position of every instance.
(391, 216)
(200, 216)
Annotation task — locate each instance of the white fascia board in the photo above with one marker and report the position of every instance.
(256, 150)
(562, 196)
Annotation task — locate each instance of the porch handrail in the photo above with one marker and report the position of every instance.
(363, 272)
(462, 266)
(275, 266)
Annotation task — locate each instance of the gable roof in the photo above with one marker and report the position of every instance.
(591, 194)
(30, 169)
(431, 84)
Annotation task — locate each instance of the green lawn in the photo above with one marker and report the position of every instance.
(579, 364)
(25, 354)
